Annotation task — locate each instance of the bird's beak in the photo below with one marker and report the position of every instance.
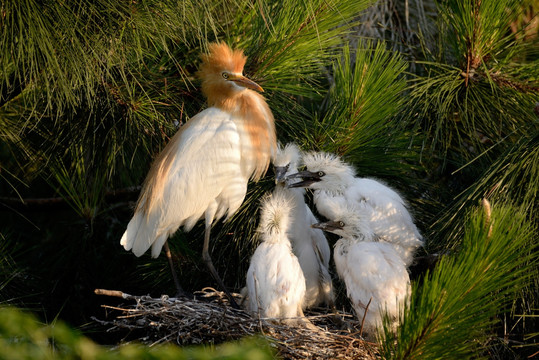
(245, 82)
(329, 226)
(280, 172)
(308, 177)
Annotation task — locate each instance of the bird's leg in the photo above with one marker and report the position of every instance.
(179, 289)
(303, 321)
(207, 260)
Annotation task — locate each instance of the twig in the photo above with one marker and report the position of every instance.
(364, 315)
(193, 321)
(110, 196)
(114, 293)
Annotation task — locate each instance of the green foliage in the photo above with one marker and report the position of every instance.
(84, 47)
(360, 106)
(82, 77)
(514, 175)
(452, 311)
(291, 46)
(476, 30)
(14, 282)
(292, 42)
(22, 337)
(469, 96)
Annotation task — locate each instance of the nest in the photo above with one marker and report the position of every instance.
(208, 318)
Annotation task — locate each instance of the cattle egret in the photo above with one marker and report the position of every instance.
(204, 169)
(275, 281)
(308, 244)
(375, 276)
(389, 219)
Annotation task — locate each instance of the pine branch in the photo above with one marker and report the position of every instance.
(460, 298)
(114, 196)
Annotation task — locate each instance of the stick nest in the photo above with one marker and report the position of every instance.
(208, 318)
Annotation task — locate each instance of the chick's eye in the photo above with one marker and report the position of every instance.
(225, 75)
(341, 224)
(321, 173)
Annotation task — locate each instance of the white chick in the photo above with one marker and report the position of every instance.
(275, 281)
(308, 244)
(387, 215)
(375, 276)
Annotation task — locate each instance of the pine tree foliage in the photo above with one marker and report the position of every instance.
(66, 80)
(292, 42)
(14, 281)
(452, 311)
(470, 96)
(514, 175)
(365, 96)
(86, 46)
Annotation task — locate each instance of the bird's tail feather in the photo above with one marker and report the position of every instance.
(158, 245)
(140, 235)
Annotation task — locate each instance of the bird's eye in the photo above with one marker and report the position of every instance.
(321, 173)
(341, 224)
(225, 75)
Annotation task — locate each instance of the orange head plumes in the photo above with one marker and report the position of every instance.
(221, 57)
(221, 73)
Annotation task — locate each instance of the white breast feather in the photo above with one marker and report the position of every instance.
(373, 271)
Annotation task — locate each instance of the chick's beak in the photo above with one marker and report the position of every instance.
(329, 226)
(245, 82)
(308, 178)
(280, 172)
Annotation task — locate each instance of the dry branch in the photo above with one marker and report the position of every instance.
(207, 318)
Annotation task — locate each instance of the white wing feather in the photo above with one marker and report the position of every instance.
(374, 271)
(207, 167)
(388, 216)
(312, 250)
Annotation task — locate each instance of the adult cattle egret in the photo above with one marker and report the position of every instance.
(375, 276)
(275, 281)
(204, 169)
(388, 217)
(308, 244)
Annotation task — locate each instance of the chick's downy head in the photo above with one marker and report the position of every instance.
(275, 216)
(286, 161)
(324, 171)
(349, 221)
